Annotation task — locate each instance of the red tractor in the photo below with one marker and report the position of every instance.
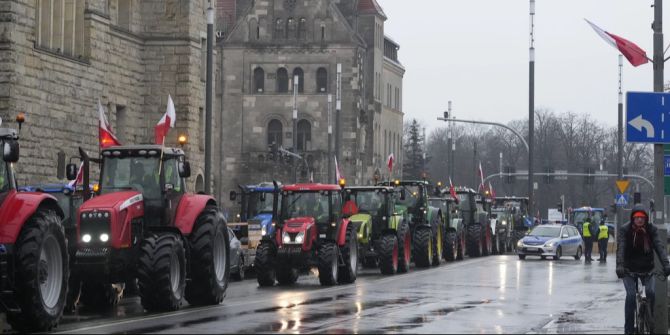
(143, 224)
(34, 265)
(311, 232)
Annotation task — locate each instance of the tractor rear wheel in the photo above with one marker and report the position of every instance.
(423, 247)
(438, 243)
(388, 250)
(42, 273)
(404, 251)
(266, 253)
(349, 270)
(99, 296)
(210, 259)
(328, 267)
(161, 272)
(451, 246)
(474, 240)
(461, 246)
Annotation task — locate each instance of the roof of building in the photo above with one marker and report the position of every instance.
(371, 7)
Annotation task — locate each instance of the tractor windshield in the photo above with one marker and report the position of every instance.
(259, 205)
(370, 202)
(307, 204)
(412, 196)
(579, 217)
(131, 173)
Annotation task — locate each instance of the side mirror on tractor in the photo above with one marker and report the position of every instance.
(184, 169)
(10, 152)
(71, 172)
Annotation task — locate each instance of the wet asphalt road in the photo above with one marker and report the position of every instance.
(495, 294)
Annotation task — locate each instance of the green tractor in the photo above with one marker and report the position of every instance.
(384, 238)
(476, 222)
(454, 238)
(425, 221)
(507, 210)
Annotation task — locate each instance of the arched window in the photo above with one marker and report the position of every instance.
(259, 80)
(282, 80)
(304, 135)
(279, 28)
(290, 28)
(275, 131)
(301, 79)
(302, 29)
(322, 80)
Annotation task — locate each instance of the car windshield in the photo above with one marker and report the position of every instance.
(368, 201)
(131, 173)
(546, 231)
(306, 204)
(260, 205)
(412, 196)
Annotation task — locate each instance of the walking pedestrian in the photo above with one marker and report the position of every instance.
(603, 239)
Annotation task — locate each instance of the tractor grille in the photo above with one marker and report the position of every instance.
(93, 252)
(294, 225)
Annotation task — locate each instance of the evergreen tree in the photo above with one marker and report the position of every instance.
(414, 161)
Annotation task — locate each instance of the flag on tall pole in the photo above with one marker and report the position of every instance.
(166, 122)
(492, 192)
(481, 177)
(452, 190)
(389, 162)
(338, 175)
(635, 55)
(80, 177)
(106, 136)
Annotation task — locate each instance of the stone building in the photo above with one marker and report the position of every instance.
(59, 57)
(264, 45)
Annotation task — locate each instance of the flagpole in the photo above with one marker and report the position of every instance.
(160, 163)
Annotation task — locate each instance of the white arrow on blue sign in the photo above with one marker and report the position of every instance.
(648, 117)
(621, 200)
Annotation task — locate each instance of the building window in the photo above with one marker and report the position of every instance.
(253, 30)
(282, 80)
(275, 132)
(290, 28)
(304, 135)
(279, 28)
(323, 33)
(298, 72)
(302, 29)
(60, 26)
(124, 14)
(259, 80)
(322, 80)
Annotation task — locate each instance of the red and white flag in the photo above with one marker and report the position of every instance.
(481, 177)
(452, 190)
(338, 175)
(106, 136)
(80, 177)
(492, 192)
(389, 162)
(167, 121)
(635, 55)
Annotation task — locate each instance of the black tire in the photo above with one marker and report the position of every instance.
(159, 289)
(474, 240)
(451, 246)
(461, 247)
(487, 241)
(287, 275)
(388, 251)
(42, 232)
(239, 274)
(404, 250)
(497, 248)
(559, 253)
(423, 247)
(264, 264)
(522, 257)
(99, 296)
(328, 267)
(349, 270)
(578, 256)
(438, 244)
(210, 247)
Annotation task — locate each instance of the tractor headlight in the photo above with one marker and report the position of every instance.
(300, 238)
(504, 223)
(104, 238)
(286, 238)
(86, 238)
(264, 231)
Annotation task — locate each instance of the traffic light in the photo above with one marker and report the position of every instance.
(637, 198)
(560, 206)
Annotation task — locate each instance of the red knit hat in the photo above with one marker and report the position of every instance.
(640, 214)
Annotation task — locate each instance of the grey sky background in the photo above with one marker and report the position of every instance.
(475, 53)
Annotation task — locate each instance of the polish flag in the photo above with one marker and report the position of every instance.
(493, 193)
(389, 162)
(481, 177)
(106, 136)
(338, 175)
(80, 177)
(635, 55)
(167, 121)
(452, 190)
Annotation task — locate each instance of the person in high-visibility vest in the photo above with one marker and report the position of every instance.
(603, 239)
(588, 239)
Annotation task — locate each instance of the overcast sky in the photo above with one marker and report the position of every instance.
(475, 53)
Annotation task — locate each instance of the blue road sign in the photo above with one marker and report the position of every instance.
(621, 200)
(648, 117)
(666, 165)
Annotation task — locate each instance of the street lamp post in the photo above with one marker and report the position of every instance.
(450, 143)
(296, 83)
(531, 108)
(619, 211)
(330, 139)
(338, 112)
(208, 100)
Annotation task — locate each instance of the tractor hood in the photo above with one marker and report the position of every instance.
(264, 219)
(296, 225)
(360, 218)
(116, 200)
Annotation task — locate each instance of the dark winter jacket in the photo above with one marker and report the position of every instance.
(639, 259)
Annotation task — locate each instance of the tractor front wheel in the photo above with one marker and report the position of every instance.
(404, 251)
(451, 246)
(349, 270)
(423, 247)
(388, 254)
(328, 267)
(161, 272)
(264, 264)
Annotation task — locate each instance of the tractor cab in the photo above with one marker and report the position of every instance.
(316, 203)
(376, 201)
(156, 173)
(413, 196)
(257, 203)
(467, 206)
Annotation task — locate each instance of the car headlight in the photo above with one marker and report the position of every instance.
(519, 244)
(550, 244)
(86, 238)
